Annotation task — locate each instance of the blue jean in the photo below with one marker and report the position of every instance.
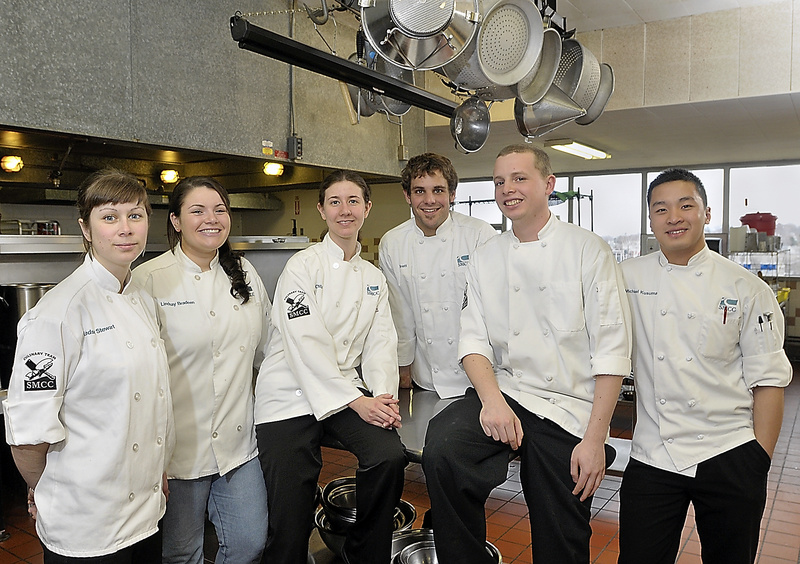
(237, 506)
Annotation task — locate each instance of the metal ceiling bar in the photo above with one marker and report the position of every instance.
(276, 46)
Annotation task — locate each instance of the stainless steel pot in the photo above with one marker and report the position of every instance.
(469, 125)
(15, 300)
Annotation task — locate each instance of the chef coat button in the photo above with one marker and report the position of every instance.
(518, 373)
(450, 341)
(516, 245)
(542, 288)
(516, 333)
(662, 401)
(670, 441)
(425, 309)
(546, 332)
(423, 276)
(429, 341)
(692, 403)
(298, 393)
(241, 348)
(688, 359)
(238, 427)
(698, 273)
(690, 315)
(110, 299)
(212, 313)
(137, 396)
(552, 400)
(129, 344)
(355, 269)
(197, 277)
(236, 307)
(135, 447)
(214, 435)
(159, 441)
(516, 288)
(544, 243)
(663, 312)
(444, 239)
(345, 342)
(420, 241)
(660, 357)
(700, 437)
(549, 378)
(134, 301)
(153, 343)
(335, 265)
(131, 496)
(669, 268)
(156, 488)
(443, 274)
(446, 308)
(337, 304)
(435, 370)
(216, 354)
(161, 392)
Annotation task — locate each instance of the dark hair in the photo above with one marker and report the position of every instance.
(344, 176)
(541, 160)
(229, 260)
(428, 164)
(673, 174)
(109, 186)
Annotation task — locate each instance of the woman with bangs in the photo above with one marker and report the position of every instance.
(89, 413)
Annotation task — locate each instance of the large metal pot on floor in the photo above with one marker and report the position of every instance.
(15, 300)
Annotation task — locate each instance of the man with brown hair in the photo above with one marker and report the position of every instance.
(545, 342)
(425, 263)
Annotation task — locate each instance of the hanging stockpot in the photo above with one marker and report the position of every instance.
(469, 125)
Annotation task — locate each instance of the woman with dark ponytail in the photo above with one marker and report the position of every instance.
(212, 309)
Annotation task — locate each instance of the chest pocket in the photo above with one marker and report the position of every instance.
(718, 340)
(564, 305)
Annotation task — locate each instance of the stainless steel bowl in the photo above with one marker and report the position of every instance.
(333, 534)
(410, 537)
(423, 552)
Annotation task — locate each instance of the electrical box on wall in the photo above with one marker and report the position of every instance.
(294, 146)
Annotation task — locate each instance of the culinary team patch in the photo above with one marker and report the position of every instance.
(39, 378)
(295, 300)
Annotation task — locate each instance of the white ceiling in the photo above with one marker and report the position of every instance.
(762, 129)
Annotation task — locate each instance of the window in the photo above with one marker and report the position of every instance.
(477, 199)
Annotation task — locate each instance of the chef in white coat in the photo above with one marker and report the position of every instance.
(425, 263)
(213, 310)
(88, 413)
(710, 371)
(331, 368)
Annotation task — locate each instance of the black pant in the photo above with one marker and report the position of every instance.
(290, 457)
(462, 466)
(145, 551)
(729, 493)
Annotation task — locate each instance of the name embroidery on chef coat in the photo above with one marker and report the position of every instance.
(296, 306)
(39, 378)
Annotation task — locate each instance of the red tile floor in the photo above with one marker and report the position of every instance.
(506, 513)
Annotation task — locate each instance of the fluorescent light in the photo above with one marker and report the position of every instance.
(577, 149)
(273, 169)
(11, 163)
(169, 176)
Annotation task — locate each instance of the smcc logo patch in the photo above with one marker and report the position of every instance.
(296, 306)
(373, 290)
(39, 378)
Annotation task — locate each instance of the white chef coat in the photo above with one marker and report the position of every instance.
(699, 350)
(550, 315)
(90, 377)
(427, 277)
(213, 342)
(330, 317)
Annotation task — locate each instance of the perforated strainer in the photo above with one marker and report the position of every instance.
(509, 41)
(578, 74)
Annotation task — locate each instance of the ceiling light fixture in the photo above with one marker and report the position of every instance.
(273, 169)
(169, 176)
(577, 149)
(11, 163)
